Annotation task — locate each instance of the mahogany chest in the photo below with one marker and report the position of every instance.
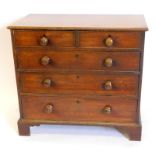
(79, 69)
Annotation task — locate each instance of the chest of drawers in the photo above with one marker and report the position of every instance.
(79, 69)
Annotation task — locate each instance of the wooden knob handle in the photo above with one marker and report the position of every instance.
(48, 108)
(44, 41)
(45, 60)
(108, 62)
(109, 41)
(107, 109)
(107, 85)
(47, 83)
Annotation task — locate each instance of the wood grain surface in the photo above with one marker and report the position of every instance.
(72, 22)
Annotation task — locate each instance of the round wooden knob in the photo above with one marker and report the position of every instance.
(108, 62)
(107, 109)
(44, 41)
(109, 42)
(47, 83)
(48, 108)
(45, 61)
(108, 85)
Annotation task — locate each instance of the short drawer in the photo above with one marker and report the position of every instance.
(44, 38)
(85, 82)
(111, 39)
(75, 108)
(83, 60)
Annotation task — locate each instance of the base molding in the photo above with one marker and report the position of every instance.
(131, 130)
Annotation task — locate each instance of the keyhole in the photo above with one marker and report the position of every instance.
(77, 77)
(77, 101)
(76, 55)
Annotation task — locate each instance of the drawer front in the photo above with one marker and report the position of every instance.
(118, 84)
(74, 108)
(44, 38)
(110, 39)
(41, 59)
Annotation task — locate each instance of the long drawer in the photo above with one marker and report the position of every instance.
(96, 82)
(83, 60)
(79, 108)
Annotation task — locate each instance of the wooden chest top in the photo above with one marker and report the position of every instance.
(86, 22)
